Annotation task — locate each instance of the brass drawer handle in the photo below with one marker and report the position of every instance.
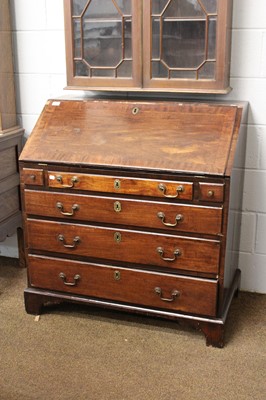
(63, 277)
(76, 240)
(60, 207)
(174, 294)
(177, 253)
(178, 218)
(163, 189)
(73, 180)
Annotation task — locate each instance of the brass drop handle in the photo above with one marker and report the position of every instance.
(160, 251)
(174, 294)
(63, 277)
(76, 240)
(163, 189)
(178, 218)
(73, 180)
(60, 207)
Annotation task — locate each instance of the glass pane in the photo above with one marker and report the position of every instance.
(101, 9)
(128, 39)
(125, 70)
(105, 73)
(210, 6)
(212, 39)
(77, 37)
(159, 70)
(78, 6)
(207, 71)
(155, 38)
(184, 8)
(183, 43)
(158, 6)
(102, 43)
(124, 6)
(81, 69)
(183, 74)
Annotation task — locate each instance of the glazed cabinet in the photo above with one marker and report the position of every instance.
(148, 45)
(133, 206)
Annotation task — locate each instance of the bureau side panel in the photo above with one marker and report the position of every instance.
(236, 182)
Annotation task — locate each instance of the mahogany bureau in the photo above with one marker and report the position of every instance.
(134, 205)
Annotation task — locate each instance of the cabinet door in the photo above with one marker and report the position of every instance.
(187, 45)
(103, 43)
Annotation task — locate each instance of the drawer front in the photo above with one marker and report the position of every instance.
(167, 251)
(174, 217)
(121, 185)
(31, 176)
(145, 288)
(211, 192)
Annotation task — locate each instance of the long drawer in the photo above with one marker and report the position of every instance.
(158, 215)
(164, 250)
(122, 185)
(126, 285)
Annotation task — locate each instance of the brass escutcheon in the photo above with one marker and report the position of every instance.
(135, 110)
(117, 237)
(117, 275)
(117, 184)
(117, 206)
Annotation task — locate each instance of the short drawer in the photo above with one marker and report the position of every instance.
(121, 185)
(163, 250)
(165, 291)
(31, 176)
(158, 215)
(211, 192)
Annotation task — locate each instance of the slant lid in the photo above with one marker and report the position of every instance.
(148, 135)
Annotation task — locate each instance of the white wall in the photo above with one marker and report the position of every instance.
(39, 58)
